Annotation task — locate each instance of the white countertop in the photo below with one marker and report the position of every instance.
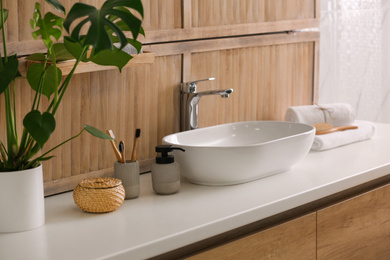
(153, 224)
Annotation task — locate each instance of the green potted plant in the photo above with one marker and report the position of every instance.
(20, 156)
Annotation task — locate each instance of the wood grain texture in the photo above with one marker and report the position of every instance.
(191, 39)
(266, 80)
(206, 45)
(358, 228)
(108, 100)
(158, 15)
(84, 67)
(177, 20)
(225, 12)
(267, 73)
(295, 239)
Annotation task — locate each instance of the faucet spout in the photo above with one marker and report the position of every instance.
(189, 103)
(222, 92)
(194, 98)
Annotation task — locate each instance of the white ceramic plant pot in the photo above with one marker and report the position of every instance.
(22, 205)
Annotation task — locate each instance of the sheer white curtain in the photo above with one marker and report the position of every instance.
(354, 56)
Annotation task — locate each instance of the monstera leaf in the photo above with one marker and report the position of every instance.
(107, 57)
(101, 27)
(48, 79)
(57, 5)
(40, 126)
(8, 71)
(123, 26)
(59, 51)
(49, 26)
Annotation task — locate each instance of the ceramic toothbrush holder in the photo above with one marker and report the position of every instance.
(128, 173)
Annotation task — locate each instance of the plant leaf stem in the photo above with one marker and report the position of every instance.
(65, 84)
(38, 93)
(54, 60)
(11, 138)
(55, 147)
(14, 112)
(26, 143)
(54, 105)
(3, 32)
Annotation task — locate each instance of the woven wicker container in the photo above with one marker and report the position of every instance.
(99, 195)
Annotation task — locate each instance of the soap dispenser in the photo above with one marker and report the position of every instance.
(165, 171)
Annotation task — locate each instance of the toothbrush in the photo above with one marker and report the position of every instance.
(136, 137)
(117, 154)
(122, 151)
(335, 129)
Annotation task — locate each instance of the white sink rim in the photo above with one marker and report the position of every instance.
(167, 138)
(237, 163)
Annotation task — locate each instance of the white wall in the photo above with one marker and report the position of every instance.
(355, 56)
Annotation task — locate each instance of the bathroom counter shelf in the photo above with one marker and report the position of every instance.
(153, 225)
(145, 58)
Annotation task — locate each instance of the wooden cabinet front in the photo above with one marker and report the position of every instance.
(355, 228)
(295, 239)
(358, 228)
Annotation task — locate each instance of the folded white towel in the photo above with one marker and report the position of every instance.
(365, 131)
(338, 114)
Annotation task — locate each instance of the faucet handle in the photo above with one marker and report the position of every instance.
(190, 87)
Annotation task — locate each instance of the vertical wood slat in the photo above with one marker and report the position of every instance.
(186, 14)
(108, 100)
(12, 28)
(213, 13)
(175, 20)
(148, 97)
(162, 14)
(251, 71)
(266, 81)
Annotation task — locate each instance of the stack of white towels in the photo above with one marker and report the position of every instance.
(338, 114)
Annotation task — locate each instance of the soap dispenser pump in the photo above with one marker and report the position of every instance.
(165, 171)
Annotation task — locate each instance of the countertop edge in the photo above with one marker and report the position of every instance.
(238, 220)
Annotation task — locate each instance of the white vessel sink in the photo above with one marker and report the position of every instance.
(240, 152)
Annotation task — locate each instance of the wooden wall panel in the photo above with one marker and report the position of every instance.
(228, 12)
(162, 14)
(266, 80)
(21, 11)
(177, 20)
(267, 72)
(158, 15)
(220, 18)
(145, 97)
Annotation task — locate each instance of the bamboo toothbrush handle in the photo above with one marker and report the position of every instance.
(116, 152)
(133, 155)
(136, 137)
(335, 129)
(122, 151)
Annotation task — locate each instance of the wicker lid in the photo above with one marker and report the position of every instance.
(100, 183)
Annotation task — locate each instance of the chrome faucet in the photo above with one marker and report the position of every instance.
(189, 103)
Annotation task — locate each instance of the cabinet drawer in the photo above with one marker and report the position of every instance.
(358, 228)
(295, 239)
